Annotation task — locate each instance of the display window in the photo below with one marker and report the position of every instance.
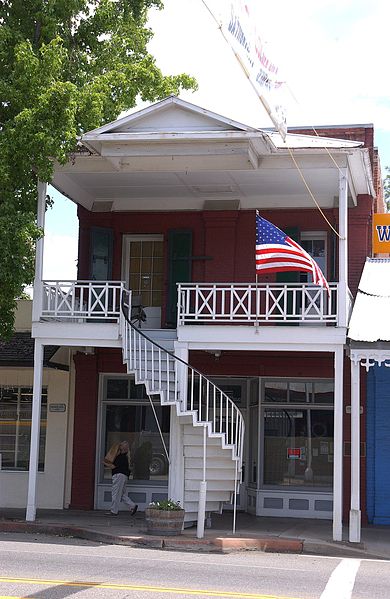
(298, 433)
(129, 415)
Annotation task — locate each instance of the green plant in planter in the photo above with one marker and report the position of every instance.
(167, 505)
(164, 517)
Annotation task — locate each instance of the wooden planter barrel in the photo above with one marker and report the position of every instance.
(164, 522)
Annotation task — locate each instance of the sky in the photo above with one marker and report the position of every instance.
(331, 53)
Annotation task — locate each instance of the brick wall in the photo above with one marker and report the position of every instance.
(226, 240)
(84, 440)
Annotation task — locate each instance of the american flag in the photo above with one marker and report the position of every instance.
(276, 252)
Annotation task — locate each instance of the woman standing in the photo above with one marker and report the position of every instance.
(117, 460)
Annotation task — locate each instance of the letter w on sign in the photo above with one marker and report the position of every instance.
(383, 232)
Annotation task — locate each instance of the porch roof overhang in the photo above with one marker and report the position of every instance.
(176, 156)
(370, 315)
(369, 327)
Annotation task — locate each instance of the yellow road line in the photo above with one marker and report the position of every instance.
(130, 587)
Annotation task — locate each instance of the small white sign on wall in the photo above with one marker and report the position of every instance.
(57, 407)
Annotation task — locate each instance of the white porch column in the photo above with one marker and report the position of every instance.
(355, 513)
(37, 299)
(176, 467)
(338, 445)
(35, 431)
(343, 249)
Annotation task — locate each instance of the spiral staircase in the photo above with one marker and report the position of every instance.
(213, 427)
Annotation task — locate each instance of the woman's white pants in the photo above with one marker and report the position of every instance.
(118, 493)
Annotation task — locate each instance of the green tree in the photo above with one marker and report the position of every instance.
(66, 66)
(386, 188)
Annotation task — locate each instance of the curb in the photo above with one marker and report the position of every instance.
(180, 543)
(267, 544)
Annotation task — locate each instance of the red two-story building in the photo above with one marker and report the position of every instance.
(232, 392)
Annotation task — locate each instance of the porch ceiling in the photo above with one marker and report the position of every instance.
(183, 182)
(174, 155)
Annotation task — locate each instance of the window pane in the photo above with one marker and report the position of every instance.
(298, 392)
(275, 391)
(137, 391)
(135, 248)
(147, 248)
(146, 265)
(117, 388)
(157, 249)
(15, 427)
(134, 283)
(324, 392)
(158, 265)
(318, 248)
(135, 263)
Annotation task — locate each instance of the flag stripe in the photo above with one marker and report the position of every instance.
(276, 252)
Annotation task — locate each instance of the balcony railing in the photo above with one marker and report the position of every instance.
(81, 300)
(256, 303)
(218, 303)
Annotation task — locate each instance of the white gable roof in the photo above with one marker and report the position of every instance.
(170, 115)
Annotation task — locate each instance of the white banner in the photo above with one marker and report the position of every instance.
(239, 30)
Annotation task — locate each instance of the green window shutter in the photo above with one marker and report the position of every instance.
(179, 267)
(102, 242)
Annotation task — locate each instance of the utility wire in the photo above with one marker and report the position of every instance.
(311, 193)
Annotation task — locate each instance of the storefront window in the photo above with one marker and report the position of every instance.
(298, 441)
(15, 428)
(135, 421)
(298, 392)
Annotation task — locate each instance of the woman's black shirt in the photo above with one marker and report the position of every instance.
(121, 464)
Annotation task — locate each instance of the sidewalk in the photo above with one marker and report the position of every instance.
(280, 535)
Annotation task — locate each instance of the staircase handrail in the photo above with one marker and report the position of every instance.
(125, 311)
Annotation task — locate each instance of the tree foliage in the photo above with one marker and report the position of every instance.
(66, 67)
(386, 187)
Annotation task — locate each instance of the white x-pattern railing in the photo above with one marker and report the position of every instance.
(81, 299)
(199, 302)
(251, 303)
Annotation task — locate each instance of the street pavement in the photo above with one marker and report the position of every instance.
(282, 535)
(57, 568)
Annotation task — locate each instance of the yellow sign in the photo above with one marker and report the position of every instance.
(381, 233)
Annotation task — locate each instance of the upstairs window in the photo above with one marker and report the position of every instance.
(315, 244)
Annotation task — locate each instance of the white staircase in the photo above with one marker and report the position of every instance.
(213, 427)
